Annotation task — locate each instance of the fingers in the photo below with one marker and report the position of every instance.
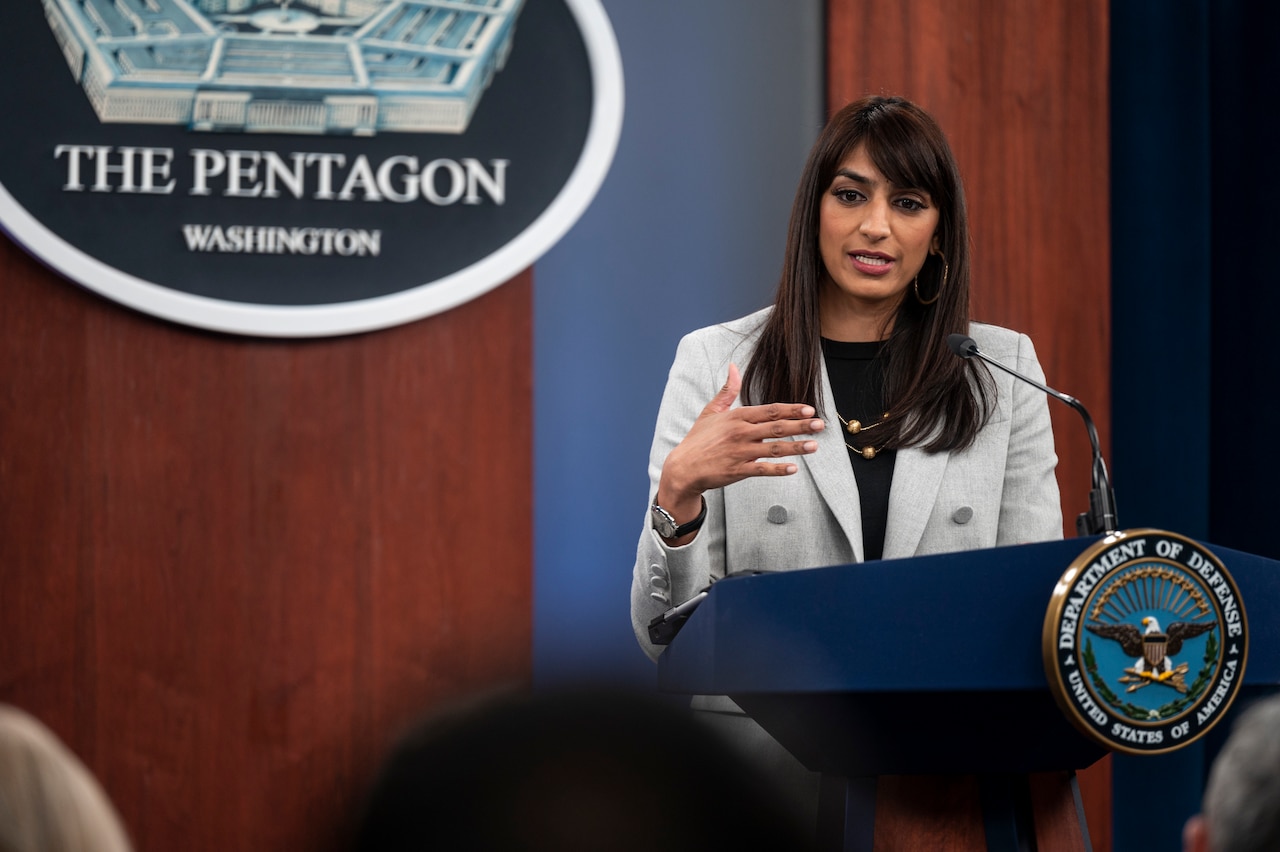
(724, 398)
(781, 449)
(773, 430)
(788, 428)
(782, 419)
(763, 466)
(777, 412)
(727, 444)
(770, 469)
(732, 383)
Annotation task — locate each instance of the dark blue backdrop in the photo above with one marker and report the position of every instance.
(1194, 182)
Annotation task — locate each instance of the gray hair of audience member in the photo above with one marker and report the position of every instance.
(1241, 809)
(49, 801)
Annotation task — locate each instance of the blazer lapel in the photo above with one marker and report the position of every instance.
(833, 474)
(917, 476)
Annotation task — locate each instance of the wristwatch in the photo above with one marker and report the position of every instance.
(667, 526)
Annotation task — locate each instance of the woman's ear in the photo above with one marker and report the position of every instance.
(935, 245)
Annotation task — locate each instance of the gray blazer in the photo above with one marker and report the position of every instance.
(1000, 491)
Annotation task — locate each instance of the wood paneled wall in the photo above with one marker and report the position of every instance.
(232, 570)
(1021, 90)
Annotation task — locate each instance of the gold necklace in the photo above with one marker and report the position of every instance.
(854, 427)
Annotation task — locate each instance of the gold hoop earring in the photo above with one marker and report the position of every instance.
(946, 268)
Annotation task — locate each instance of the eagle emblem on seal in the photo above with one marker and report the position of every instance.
(1152, 649)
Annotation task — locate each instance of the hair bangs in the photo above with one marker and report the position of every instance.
(906, 150)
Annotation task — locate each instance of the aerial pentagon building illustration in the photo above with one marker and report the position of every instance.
(321, 66)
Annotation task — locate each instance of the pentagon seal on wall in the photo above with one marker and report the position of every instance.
(302, 168)
(1145, 641)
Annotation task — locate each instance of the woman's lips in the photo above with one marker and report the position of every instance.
(871, 263)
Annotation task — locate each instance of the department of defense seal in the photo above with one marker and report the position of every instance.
(1145, 641)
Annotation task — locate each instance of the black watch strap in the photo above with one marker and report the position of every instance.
(666, 525)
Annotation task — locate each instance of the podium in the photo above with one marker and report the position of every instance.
(917, 688)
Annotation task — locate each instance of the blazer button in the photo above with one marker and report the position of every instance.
(777, 514)
(658, 581)
(659, 597)
(963, 515)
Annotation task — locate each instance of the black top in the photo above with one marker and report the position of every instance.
(857, 385)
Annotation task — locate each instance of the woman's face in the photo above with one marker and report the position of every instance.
(873, 238)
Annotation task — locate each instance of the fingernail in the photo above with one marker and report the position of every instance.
(792, 468)
(817, 426)
(807, 411)
(810, 446)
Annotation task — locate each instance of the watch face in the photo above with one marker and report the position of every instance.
(663, 522)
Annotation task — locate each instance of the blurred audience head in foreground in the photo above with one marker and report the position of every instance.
(571, 770)
(49, 802)
(1241, 808)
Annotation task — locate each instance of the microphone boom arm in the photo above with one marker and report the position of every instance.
(1101, 517)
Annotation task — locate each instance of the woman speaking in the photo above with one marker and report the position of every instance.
(837, 426)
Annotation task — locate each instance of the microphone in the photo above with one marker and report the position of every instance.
(1101, 517)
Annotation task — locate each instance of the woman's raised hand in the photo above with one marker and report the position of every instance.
(726, 445)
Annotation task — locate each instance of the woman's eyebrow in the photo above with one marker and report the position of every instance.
(855, 177)
(872, 182)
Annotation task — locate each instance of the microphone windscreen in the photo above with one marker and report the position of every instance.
(962, 345)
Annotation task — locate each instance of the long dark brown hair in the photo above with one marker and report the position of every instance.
(936, 400)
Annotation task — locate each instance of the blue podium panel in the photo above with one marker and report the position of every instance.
(931, 665)
(1258, 580)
